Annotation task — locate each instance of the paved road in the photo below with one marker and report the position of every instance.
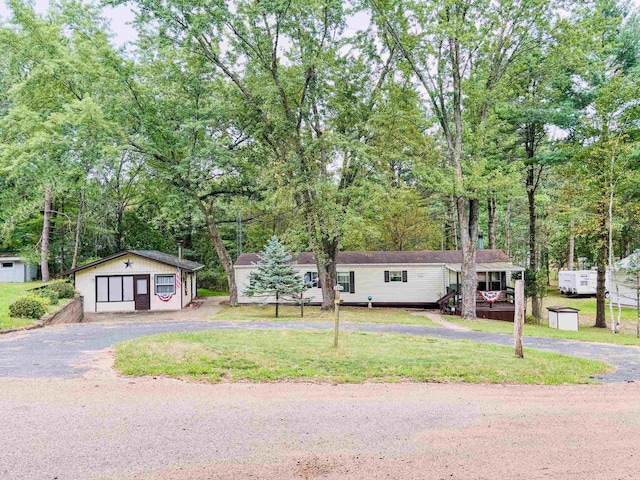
(62, 351)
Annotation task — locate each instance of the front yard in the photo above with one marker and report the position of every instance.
(9, 293)
(347, 314)
(272, 356)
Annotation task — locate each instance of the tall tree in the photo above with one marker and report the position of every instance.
(459, 53)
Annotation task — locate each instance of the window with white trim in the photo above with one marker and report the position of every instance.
(344, 280)
(165, 284)
(311, 279)
(395, 275)
(116, 288)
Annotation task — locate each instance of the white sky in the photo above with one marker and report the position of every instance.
(121, 18)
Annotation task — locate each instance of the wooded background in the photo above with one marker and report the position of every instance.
(336, 125)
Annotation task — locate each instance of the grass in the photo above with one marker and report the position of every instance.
(585, 334)
(274, 356)
(205, 292)
(347, 314)
(9, 293)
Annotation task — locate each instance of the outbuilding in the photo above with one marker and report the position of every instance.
(14, 269)
(136, 280)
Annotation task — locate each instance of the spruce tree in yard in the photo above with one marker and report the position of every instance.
(275, 275)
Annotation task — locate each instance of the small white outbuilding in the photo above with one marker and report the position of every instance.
(136, 280)
(15, 269)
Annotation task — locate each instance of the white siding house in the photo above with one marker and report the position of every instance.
(389, 278)
(136, 280)
(16, 270)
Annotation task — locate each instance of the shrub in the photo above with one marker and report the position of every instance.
(49, 294)
(63, 289)
(27, 307)
(530, 320)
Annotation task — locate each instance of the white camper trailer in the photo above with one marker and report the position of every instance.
(578, 282)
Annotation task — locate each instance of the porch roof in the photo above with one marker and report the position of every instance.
(488, 267)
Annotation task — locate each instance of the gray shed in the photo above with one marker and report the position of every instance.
(15, 269)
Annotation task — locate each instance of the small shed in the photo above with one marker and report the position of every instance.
(136, 280)
(563, 318)
(14, 269)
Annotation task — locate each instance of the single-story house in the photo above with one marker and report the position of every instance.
(136, 280)
(392, 278)
(16, 269)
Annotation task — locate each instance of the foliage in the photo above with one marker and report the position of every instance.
(50, 294)
(63, 289)
(275, 274)
(27, 307)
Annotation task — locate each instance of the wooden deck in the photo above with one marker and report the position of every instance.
(504, 311)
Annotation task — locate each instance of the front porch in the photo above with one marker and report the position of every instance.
(502, 309)
(494, 281)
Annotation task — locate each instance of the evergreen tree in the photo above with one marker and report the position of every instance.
(275, 274)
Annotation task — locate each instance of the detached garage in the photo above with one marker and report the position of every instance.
(16, 270)
(136, 280)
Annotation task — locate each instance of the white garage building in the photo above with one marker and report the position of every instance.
(392, 278)
(16, 269)
(135, 280)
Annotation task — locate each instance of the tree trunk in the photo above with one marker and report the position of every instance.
(277, 303)
(326, 263)
(518, 320)
(536, 301)
(223, 255)
(46, 229)
(469, 239)
(492, 211)
(614, 326)
(507, 230)
(454, 223)
(601, 321)
(76, 243)
(637, 306)
(572, 247)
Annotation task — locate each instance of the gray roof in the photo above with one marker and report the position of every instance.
(161, 257)
(386, 258)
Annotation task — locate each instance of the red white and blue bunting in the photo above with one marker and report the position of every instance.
(491, 297)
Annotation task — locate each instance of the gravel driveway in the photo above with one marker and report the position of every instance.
(66, 351)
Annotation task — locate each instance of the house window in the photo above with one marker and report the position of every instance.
(7, 265)
(395, 276)
(116, 288)
(165, 284)
(344, 280)
(495, 281)
(311, 279)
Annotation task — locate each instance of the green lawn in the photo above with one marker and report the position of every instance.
(205, 292)
(9, 293)
(585, 334)
(272, 356)
(587, 307)
(347, 314)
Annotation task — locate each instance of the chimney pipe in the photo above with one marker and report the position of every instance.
(180, 250)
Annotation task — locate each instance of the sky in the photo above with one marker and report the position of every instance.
(121, 18)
